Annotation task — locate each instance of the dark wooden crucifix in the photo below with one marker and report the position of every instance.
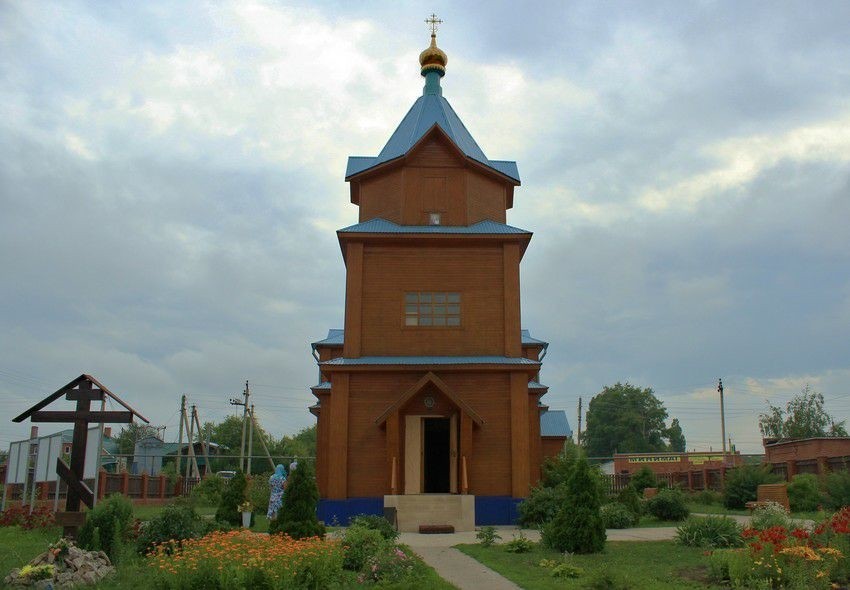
(83, 390)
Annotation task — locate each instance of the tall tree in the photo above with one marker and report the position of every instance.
(627, 419)
(676, 437)
(804, 416)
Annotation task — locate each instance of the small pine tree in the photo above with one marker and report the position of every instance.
(578, 526)
(297, 516)
(231, 498)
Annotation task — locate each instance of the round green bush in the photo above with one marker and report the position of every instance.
(742, 484)
(804, 493)
(542, 505)
(176, 521)
(669, 504)
(837, 488)
(630, 498)
(361, 543)
(208, 491)
(643, 479)
(376, 522)
(715, 532)
(617, 516)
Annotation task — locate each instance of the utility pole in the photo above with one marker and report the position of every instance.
(578, 439)
(180, 435)
(262, 440)
(244, 404)
(204, 446)
(190, 428)
(250, 439)
(722, 419)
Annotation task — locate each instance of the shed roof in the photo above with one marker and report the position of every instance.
(555, 423)
(429, 110)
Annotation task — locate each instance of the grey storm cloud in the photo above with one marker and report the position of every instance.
(172, 176)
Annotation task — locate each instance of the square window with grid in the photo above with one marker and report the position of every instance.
(431, 309)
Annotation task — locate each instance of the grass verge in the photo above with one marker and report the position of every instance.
(661, 565)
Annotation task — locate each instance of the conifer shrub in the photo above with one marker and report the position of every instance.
(804, 493)
(742, 484)
(297, 516)
(643, 479)
(232, 496)
(577, 526)
(107, 525)
(669, 504)
(544, 500)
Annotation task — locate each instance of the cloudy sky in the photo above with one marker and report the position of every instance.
(172, 175)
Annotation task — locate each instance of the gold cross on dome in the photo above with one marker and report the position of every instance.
(433, 22)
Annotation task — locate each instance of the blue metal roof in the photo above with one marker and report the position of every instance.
(536, 385)
(427, 111)
(527, 339)
(383, 226)
(322, 385)
(336, 336)
(555, 423)
(431, 360)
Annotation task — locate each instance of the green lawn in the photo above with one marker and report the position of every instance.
(17, 546)
(644, 565)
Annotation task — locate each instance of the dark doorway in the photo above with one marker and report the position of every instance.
(436, 463)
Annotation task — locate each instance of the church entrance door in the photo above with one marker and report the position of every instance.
(436, 455)
(430, 456)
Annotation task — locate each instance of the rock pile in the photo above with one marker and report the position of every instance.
(72, 567)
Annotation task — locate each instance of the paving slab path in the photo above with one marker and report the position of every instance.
(460, 569)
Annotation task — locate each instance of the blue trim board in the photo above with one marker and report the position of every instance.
(340, 512)
(496, 510)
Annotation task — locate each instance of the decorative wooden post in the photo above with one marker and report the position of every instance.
(81, 390)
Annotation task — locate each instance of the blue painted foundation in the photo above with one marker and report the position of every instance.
(489, 510)
(496, 510)
(339, 512)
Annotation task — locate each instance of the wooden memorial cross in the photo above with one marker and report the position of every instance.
(83, 390)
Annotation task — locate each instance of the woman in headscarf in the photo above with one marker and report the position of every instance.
(277, 483)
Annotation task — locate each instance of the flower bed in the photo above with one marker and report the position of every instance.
(41, 517)
(779, 557)
(242, 559)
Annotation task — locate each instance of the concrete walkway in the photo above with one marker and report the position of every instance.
(461, 570)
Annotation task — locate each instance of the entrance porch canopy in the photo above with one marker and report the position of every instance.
(391, 419)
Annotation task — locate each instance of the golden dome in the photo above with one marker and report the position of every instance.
(433, 58)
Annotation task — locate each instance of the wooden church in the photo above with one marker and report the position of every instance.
(429, 399)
